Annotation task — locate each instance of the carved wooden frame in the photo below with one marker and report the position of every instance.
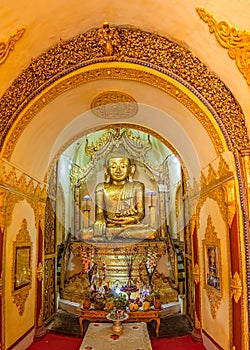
(213, 279)
(21, 267)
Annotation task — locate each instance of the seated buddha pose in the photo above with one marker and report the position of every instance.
(120, 203)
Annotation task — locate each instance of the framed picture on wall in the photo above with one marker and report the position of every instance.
(21, 267)
(22, 270)
(213, 278)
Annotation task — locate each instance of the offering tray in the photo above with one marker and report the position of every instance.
(129, 289)
(117, 321)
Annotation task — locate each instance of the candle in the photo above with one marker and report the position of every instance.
(152, 209)
(86, 211)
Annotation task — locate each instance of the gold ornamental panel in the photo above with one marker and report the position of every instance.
(9, 44)
(196, 274)
(237, 41)
(114, 104)
(236, 287)
(117, 71)
(113, 259)
(146, 50)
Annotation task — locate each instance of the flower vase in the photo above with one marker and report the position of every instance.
(86, 303)
(157, 303)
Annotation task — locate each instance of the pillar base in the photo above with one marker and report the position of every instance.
(196, 336)
(40, 332)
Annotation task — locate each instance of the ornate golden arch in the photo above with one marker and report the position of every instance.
(134, 55)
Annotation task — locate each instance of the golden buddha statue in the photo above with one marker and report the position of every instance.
(120, 206)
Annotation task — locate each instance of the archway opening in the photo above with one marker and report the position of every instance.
(149, 263)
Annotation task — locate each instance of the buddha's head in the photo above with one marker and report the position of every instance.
(119, 169)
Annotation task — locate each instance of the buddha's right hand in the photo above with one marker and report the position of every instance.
(99, 228)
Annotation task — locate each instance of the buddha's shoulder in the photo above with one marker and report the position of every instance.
(103, 186)
(135, 184)
(100, 187)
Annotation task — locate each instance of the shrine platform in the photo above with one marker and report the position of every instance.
(167, 309)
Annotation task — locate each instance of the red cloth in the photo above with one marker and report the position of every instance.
(178, 343)
(58, 342)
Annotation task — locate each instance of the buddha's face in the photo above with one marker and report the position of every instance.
(119, 168)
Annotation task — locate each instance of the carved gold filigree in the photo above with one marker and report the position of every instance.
(138, 47)
(236, 286)
(213, 278)
(3, 196)
(6, 47)
(112, 257)
(40, 319)
(113, 71)
(20, 187)
(230, 199)
(39, 272)
(134, 145)
(231, 210)
(213, 179)
(197, 321)
(50, 286)
(192, 221)
(218, 185)
(21, 268)
(20, 299)
(237, 41)
(178, 199)
(114, 104)
(1, 286)
(246, 166)
(215, 302)
(109, 39)
(196, 274)
(21, 182)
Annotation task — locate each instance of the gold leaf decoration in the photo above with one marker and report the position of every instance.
(20, 299)
(213, 279)
(237, 41)
(236, 286)
(196, 274)
(114, 104)
(219, 185)
(39, 272)
(21, 267)
(108, 39)
(134, 46)
(6, 47)
(215, 302)
(196, 321)
(1, 286)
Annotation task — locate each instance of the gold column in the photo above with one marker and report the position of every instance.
(2, 266)
(77, 211)
(40, 330)
(162, 210)
(152, 210)
(245, 159)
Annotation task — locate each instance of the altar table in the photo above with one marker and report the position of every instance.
(100, 336)
(94, 315)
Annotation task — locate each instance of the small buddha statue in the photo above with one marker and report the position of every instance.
(120, 206)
